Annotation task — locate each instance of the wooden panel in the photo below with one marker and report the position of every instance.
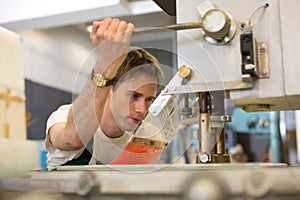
(12, 94)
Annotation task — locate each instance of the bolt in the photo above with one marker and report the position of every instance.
(204, 158)
(174, 89)
(263, 48)
(225, 118)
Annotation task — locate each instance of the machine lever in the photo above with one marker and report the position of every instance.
(176, 27)
(218, 27)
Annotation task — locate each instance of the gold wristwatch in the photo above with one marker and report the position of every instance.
(100, 80)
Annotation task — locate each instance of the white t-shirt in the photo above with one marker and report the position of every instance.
(105, 149)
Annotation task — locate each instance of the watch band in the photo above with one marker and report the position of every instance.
(110, 82)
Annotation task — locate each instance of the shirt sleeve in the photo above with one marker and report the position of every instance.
(56, 157)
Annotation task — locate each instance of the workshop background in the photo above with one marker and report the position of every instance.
(56, 45)
(55, 39)
(56, 52)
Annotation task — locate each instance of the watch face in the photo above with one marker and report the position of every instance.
(99, 80)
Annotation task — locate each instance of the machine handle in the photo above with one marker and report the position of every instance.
(182, 26)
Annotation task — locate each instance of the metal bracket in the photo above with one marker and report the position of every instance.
(263, 60)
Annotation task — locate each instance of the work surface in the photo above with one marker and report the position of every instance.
(169, 167)
(162, 181)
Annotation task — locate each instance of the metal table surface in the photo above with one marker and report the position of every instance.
(160, 181)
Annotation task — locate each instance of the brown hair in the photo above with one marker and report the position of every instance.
(138, 60)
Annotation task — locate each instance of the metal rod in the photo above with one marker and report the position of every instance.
(176, 27)
(221, 143)
(79, 182)
(204, 132)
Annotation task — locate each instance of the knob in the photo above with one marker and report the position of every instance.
(184, 72)
(218, 26)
